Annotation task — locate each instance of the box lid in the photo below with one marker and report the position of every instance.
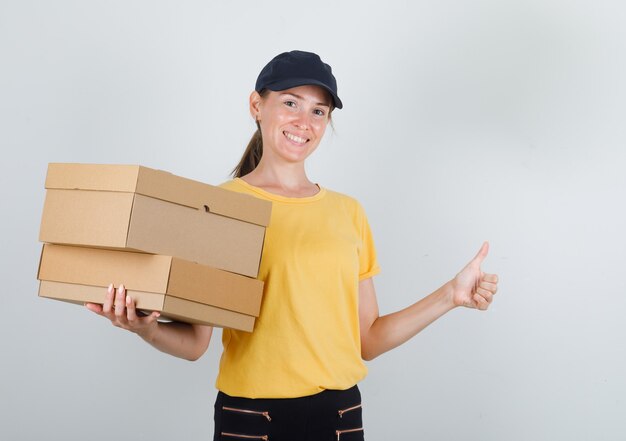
(160, 185)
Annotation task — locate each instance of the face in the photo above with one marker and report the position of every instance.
(292, 121)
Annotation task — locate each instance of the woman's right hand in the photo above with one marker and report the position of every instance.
(120, 309)
(183, 340)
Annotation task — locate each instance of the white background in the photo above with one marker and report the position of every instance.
(463, 122)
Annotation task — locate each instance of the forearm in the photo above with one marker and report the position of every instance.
(391, 330)
(179, 339)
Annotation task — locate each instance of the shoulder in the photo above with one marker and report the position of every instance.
(349, 203)
(235, 185)
(231, 184)
(341, 196)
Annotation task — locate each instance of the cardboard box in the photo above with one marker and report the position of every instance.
(140, 209)
(181, 290)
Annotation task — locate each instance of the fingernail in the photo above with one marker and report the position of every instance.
(128, 300)
(110, 289)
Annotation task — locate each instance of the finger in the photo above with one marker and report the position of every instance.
(131, 312)
(492, 278)
(488, 296)
(120, 302)
(491, 287)
(482, 303)
(482, 253)
(107, 307)
(153, 317)
(94, 307)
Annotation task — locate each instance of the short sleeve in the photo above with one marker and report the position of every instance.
(368, 263)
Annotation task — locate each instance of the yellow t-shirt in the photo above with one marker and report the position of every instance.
(306, 338)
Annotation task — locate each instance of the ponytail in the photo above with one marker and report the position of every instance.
(252, 156)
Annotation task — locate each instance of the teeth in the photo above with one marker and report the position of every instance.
(295, 138)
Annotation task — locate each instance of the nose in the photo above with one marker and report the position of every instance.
(303, 121)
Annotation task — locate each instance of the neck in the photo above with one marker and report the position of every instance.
(287, 179)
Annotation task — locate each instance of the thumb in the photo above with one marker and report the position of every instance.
(94, 307)
(482, 253)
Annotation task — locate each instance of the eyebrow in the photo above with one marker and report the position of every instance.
(302, 98)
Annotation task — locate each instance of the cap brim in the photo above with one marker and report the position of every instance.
(295, 82)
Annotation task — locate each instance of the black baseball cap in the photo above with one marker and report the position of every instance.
(298, 68)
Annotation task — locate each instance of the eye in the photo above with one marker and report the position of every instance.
(319, 112)
(290, 103)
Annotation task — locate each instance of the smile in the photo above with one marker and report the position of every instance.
(295, 138)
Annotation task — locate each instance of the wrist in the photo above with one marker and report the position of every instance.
(448, 294)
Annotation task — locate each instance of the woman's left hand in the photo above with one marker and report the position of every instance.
(471, 287)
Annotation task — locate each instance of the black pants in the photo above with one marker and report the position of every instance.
(326, 416)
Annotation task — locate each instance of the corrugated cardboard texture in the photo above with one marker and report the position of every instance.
(90, 266)
(75, 293)
(151, 273)
(102, 177)
(169, 187)
(230, 291)
(161, 185)
(197, 236)
(167, 221)
(90, 218)
(170, 307)
(192, 312)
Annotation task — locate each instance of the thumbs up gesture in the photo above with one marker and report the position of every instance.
(473, 288)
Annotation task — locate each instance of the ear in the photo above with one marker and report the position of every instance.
(255, 105)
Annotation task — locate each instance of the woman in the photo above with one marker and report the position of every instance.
(295, 376)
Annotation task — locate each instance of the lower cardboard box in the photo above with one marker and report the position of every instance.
(179, 289)
(170, 307)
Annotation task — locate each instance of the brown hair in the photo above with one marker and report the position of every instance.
(254, 151)
(252, 156)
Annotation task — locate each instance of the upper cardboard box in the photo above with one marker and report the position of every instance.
(140, 209)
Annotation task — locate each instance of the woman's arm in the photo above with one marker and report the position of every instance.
(470, 288)
(178, 339)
